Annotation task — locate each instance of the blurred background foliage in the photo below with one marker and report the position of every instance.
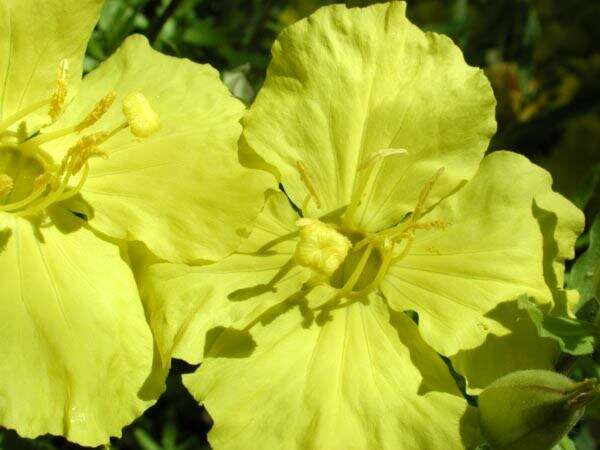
(542, 57)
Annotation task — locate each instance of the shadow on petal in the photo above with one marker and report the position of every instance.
(222, 342)
(259, 289)
(470, 431)
(521, 348)
(80, 207)
(554, 256)
(5, 235)
(154, 385)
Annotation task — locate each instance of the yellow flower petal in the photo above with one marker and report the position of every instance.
(362, 379)
(35, 36)
(76, 352)
(180, 190)
(347, 83)
(492, 251)
(185, 302)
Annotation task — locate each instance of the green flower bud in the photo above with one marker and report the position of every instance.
(532, 409)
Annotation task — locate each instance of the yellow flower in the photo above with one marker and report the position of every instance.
(143, 149)
(393, 242)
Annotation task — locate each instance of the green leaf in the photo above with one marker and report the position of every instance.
(146, 442)
(238, 84)
(9, 440)
(574, 336)
(203, 33)
(584, 440)
(565, 444)
(169, 437)
(585, 274)
(586, 189)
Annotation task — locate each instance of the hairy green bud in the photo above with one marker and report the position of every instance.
(532, 409)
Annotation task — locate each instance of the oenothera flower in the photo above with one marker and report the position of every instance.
(390, 213)
(145, 151)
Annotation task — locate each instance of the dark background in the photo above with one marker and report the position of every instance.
(542, 57)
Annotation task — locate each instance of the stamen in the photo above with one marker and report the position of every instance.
(99, 110)
(6, 184)
(364, 179)
(4, 124)
(424, 194)
(310, 186)
(140, 116)
(404, 230)
(347, 288)
(39, 186)
(83, 150)
(43, 180)
(407, 247)
(383, 268)
(73, 192)
(380, 154)
(116, 129)
(47, 201)
(60, 94)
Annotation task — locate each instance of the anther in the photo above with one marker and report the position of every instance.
(310, 186)
(142, 119)
(321, 248)
(435, 224)
(99, 110)
(60, 94)
(6, 184)
(380, 154)
(424, 194)
(42, 180)
(82, 151)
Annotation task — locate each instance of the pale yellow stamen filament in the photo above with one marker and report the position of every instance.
(10, 120)
(97, 112)
(310, 187)
(380, 154)
(47, 201)
(35, 194)
(407, 247)
(116, 129)
(347, 288)
(79, 186)
(401, 229)
(424, 194)
(383, 268)
(43, 138)
(364, 179)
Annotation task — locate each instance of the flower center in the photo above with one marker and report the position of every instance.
(360, 267)
(30, 178)
(351, 261)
